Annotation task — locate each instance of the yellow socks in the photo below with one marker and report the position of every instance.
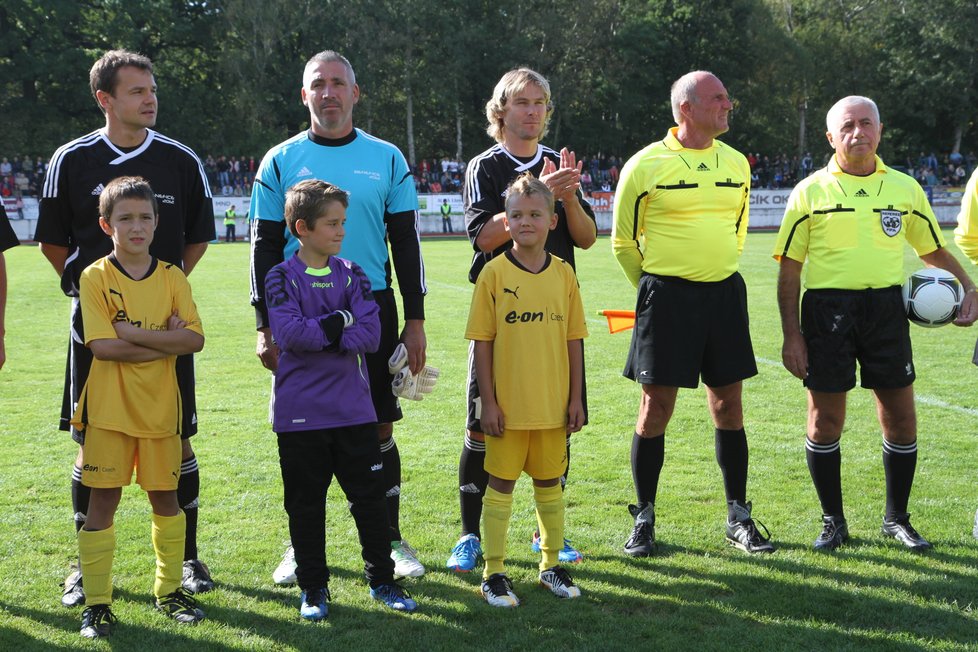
(550, 519)
(169, 533)
(95, 552)
(496, 510)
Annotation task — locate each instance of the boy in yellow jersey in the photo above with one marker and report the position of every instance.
(139, 315)
(851, 221)
(527, 323)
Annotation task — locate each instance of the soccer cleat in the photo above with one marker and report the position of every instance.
(567, 555)
(197, 577)
(835, 532)
(743, 533)
(394, 596)
(498, 591)
(559, 581)
(181, 607)
(314, 605)
(73, 594)
(97, 621)
(642, 541)
(405, 558)
(284, 573)
(465, 554)
(898, 526)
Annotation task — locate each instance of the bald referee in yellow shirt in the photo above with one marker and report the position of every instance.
(850, 220)
(681, 213)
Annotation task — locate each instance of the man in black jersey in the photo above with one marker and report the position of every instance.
(7, 240)
(518, 114)
(68, 231)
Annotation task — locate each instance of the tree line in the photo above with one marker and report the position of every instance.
(229, 71)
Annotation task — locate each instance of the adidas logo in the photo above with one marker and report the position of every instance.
(304, 172)
(703, 168)
(393, 491)
(376, 467)
(862, 193)
(469, 488)
(97, 190)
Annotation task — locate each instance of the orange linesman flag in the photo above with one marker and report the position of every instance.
(619, 320)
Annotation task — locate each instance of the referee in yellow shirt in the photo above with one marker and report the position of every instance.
(966, 237)
(680, 224)
(850, 220)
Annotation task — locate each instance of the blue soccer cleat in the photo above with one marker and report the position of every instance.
(465, 554)
(567, 555)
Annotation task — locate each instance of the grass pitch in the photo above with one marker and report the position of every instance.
(696, 594)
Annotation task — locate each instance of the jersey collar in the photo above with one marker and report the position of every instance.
(332, 142)
(123, 155)
(836, 170)
(672, 143)
(521, 165)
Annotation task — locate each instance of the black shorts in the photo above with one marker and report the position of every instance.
(687, 329)
(843, 326)
(79, 364)
(387, 406)
(472, 423)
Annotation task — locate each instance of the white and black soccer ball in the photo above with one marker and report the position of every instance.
(932, 297)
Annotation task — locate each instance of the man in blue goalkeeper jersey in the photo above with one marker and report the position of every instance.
(383, 209)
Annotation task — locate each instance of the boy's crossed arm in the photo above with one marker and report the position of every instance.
(135, 344)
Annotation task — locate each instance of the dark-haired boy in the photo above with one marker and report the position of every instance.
(139, 316)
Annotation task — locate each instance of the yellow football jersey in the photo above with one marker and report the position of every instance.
(852, 229)
(682, 212)
(140, 399)
(529, 318)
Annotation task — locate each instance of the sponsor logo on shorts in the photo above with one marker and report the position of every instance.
(377, 467)
(166, 199)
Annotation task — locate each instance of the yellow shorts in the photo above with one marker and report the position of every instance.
(109, 457)
(541, 453)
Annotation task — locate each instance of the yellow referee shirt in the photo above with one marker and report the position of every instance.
(140, 399)
(529, 318)
(852, 229)
(966, 235)
(681, 212)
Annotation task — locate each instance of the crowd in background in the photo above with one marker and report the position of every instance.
(22, 176)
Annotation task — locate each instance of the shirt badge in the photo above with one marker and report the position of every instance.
(891, 221)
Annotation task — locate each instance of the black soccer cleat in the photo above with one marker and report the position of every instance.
(742, 531)
(898, 526)
(642, 541)
(97, 621)
(835, 532)
(196, 577)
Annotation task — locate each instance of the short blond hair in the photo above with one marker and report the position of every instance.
(309, 200)
(527, 185)
(509, 85)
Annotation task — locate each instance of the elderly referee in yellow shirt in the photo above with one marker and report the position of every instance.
(681, 212)
(850, 220)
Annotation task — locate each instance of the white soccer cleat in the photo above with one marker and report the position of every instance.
(284, 574)
(405, 558)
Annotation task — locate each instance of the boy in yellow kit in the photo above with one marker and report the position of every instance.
(527, 321)
(139, 315)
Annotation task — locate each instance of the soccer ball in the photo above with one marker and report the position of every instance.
(932, 297)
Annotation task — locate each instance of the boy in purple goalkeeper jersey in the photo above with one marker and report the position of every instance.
(324, 319)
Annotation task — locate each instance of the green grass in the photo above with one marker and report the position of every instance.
(697, 594)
